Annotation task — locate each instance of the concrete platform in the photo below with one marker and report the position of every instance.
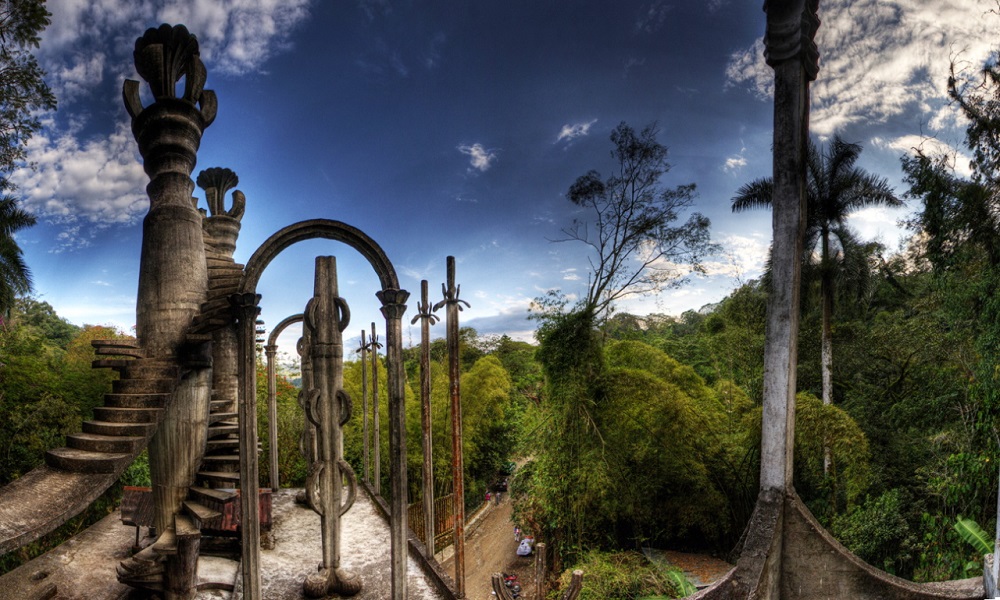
(83, 568)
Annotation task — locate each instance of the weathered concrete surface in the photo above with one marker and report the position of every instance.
(83, 568)
(788, 555)
(43, 499)
(815, 565)
(298, 551)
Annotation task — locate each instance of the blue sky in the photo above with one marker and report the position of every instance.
(455, 128)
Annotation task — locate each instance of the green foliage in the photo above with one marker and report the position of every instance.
(24, 98)
(292, 468)
(624, 576)
(972, 533)
(817, 425)
(634, 231)
(878, 532)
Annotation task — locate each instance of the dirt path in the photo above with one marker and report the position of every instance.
(490, 548)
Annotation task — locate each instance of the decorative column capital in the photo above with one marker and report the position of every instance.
(169, 130)
(424, 310)
(216, 181)
(246, 307)
(393, 302)
(790, 33)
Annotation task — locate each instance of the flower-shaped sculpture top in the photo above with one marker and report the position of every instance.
(162, 57)
(216, 181)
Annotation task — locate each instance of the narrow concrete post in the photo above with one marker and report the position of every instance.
(377, 433)
(426, 318)
(453, 304)
(393, 307)
(541, 571)
(996, 550)
(329, 408)
(246, 307)
(365, 442)
(270, 352)
(789, 49)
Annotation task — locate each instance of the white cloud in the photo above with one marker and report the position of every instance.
(84, 186)
(570, 275)
(735, 163)
(571, 132)
(909, 144)
(480, 157)
(879, 59)
(235, 36)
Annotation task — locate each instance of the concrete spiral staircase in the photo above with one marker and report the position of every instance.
(94, 459)
(74, 476)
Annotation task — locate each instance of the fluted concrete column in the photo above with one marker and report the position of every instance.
(172, 268)
(393, 307)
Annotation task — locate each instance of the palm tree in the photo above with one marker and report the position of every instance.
(15, 277)
(835, 189)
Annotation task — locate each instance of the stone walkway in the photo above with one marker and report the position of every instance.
(83, 568)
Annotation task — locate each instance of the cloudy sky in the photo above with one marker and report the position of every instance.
(455, 128)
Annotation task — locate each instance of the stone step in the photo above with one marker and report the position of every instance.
(136, 400)
(221, 405)
(116, 348)
(218, 477)
(93, 442)
(185, 527)
(220, 460)
(224, 281)
(222, 416)
(143, 386)
(199, 513)
(166, 544)
(152, 368)
(119, 429)
(113, 414)
(219, 304)
(118, 364)
(212, 496)
(218, 430)
(222, 444)
(82, 461)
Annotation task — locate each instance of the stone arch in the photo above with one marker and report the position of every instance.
(319, 229)
(393, 301)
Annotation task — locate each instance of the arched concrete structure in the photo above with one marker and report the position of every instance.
(270, 351)
(322, 229)
(393, 302)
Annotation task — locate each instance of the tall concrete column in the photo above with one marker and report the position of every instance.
(329, 408)
(790, 50)
(426, 318)
(221, 230)
(246, 307)
(172, 268)
(393, 307)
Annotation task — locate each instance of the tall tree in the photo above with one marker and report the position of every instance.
(637, 245)
(836, 187)
(24, 95)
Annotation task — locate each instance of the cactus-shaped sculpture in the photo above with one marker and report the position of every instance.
(328, 408)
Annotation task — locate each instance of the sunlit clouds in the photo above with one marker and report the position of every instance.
(880, 60)
(571, 132)
(480, 157)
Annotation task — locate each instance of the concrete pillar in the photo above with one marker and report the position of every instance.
(172, 267)
(393, 307)
(246, 307)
